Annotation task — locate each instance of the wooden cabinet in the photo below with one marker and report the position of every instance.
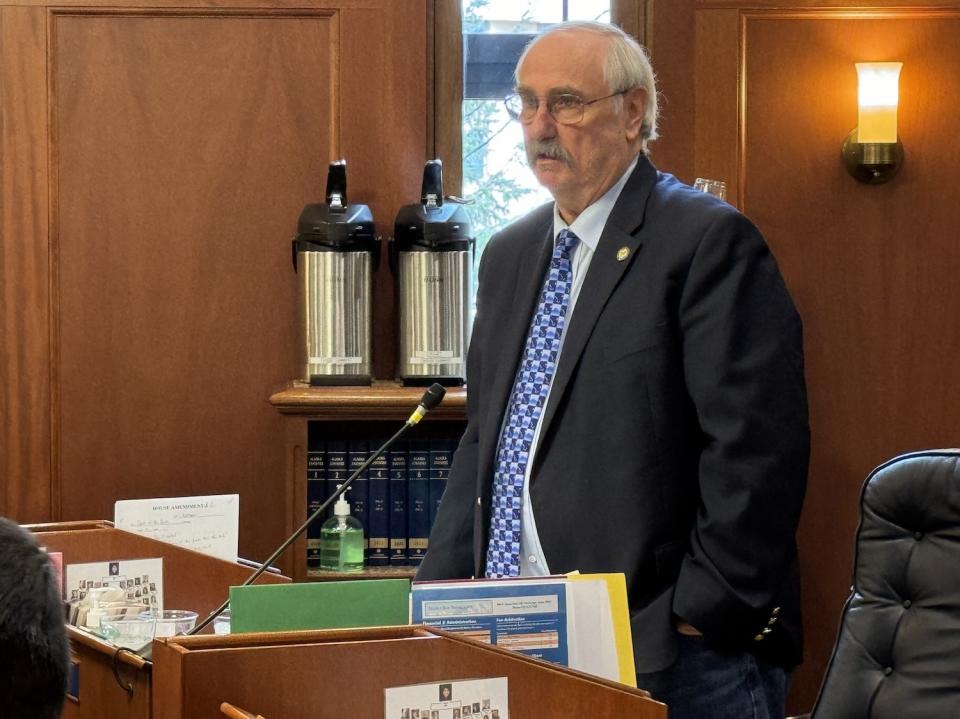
(345, 412)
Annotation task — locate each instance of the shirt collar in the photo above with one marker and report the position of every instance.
(590, 223)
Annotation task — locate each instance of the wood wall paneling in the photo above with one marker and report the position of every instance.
(873, 268)
(862, 6)
(149, 303)
(716, 104)
(774, 93)
(446, 75)
(25, 491)
(384, 135)
(671, 40)
(183, 144)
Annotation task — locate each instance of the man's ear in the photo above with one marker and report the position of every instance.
(634, 104)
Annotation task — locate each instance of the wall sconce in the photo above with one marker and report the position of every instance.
(873, 152)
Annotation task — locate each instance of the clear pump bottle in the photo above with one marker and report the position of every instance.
(341, 540)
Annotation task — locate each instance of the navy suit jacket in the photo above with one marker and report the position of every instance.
(675, 441)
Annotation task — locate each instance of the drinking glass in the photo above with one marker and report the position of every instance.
(717, 188)
(221, 625)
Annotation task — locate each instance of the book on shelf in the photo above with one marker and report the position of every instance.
(418, 500)
(397, 465)
(336, 467)
(378, 510)
(316, 495)
(359, 492)
(396, 499)
(441, 455)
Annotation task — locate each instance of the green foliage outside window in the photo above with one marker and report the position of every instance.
(489, 180)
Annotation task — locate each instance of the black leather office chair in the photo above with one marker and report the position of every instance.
(897, 655)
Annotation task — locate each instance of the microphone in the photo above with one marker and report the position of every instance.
(430, 399)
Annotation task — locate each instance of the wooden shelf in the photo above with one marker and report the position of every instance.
(319, 575)
(385, 399)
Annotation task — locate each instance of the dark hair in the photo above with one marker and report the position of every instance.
(34, 653)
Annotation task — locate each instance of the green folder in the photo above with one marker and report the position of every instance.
(320, 605)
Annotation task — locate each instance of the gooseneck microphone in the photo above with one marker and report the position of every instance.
(430, 399)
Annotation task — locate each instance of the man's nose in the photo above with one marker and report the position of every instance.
(542, 125)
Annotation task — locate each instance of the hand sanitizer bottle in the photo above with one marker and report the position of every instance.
(341, 540)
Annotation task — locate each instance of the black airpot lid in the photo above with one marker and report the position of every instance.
(335, 225)
(433, 223)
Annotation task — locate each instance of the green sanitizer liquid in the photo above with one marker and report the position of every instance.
(341, 541)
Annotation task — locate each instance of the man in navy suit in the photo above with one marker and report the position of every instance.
(636, 399)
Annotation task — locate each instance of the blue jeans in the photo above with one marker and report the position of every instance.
(705, 683)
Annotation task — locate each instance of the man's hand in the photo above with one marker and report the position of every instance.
(688, 629)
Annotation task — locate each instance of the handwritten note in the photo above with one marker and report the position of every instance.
(208, 524)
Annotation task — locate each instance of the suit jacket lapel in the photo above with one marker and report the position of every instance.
(532, 264)
(606, 269)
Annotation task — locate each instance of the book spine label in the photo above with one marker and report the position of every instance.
(378, 536)
(418, 500)
(398, 504)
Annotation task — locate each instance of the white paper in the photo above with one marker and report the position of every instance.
(209, 524)
(455, 699)
(590, 632)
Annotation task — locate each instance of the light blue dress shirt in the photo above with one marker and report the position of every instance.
(588, 227)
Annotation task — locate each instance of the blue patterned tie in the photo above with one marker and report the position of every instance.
(530, 388)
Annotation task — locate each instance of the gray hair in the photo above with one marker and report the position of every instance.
(626, 67)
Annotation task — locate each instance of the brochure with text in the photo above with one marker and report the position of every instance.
(580, 620)
(527, 616)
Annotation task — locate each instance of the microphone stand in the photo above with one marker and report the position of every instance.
(431, 398)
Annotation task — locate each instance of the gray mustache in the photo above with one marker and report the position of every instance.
(549, 148)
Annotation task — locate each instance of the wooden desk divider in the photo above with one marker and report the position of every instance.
(191, 580)
(340, 673)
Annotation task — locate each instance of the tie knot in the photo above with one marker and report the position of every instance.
(566, 241)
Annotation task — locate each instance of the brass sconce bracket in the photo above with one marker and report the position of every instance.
(872, 163)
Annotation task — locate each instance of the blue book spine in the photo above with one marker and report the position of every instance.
(378, 536)
(336, 466)
(441, 454)
(397, 462)
(359, 492)
(316, 495)
(418, 500)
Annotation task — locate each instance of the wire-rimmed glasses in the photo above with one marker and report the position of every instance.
(565, 108)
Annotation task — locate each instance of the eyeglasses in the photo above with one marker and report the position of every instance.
(566, 109)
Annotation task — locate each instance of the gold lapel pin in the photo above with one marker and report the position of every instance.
(623, 253)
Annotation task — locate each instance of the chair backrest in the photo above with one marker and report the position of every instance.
(897, 655)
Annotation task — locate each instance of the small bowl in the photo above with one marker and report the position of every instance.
(171, 622)
(130, 631)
